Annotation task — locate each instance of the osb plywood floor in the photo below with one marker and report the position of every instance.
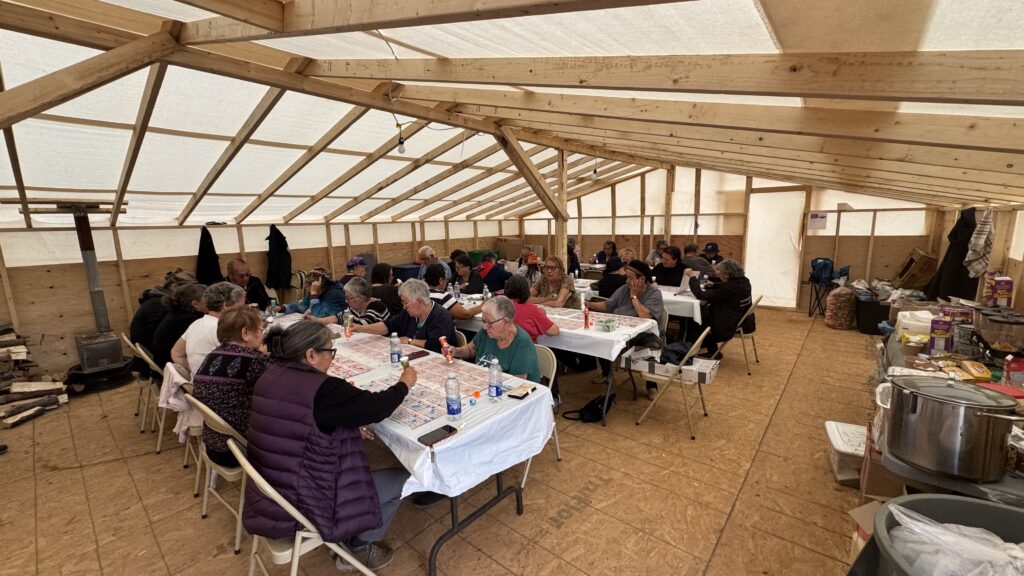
(83, 493)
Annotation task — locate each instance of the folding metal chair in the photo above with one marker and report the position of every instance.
(460, 338)
(306, 539)
(143, 385)
(230, 474)
(677, 375)
(153, 402)
(743, 336)
(548, 367)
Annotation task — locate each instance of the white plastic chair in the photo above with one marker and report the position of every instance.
(744, 337)
(153, 403)
(677, 376)
(548, 368)
(286, 551)
(230, 474)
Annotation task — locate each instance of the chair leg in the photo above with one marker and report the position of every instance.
(632, 381)
(199, 476)
(252, 555)
(144, 400)
(238, 519)
(753, 341)
(206, 491)
(525, 474)
(160, 434)
(558, 448)
(188, 449)
(703, 405)
(295, 554)
(138, 403)
(687, 407)
(743, 342)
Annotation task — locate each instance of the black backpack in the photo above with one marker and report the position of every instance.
(591, 411)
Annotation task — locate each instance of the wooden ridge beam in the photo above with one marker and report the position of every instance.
(154, 80)
(252, 123)
(317, 17)
(581, 148)
(979, 77)
(332, 134)
(401, 173)
(431, 182)
(45, 92)
(12, 157)
(463, 185)
(955, 131)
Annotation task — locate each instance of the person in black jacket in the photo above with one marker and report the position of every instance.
(468, 279)
(493, 274)
(382, 287)
(729, 301)
(613, 278)
(255, 292)
(152, 308)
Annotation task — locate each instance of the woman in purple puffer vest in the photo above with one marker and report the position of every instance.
(306, 433)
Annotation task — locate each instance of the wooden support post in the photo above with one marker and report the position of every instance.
(241, 242)
(696, 204)
(560, 244)
(8, 294)
(125, 292)
(579, 223)
(746, 217)
(348, 243)
(376, 243)
(835, 248)
(476, 236)
(670, 187)
(330, 250)
(613, 211)
(643, 210)
(423, 240)
(447, 237)
(803, 242)
(522, 231)
(412, 244)
(871, 247)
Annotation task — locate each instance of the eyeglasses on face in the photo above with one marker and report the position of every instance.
(550, 267)
(489, 323)
(333, 351)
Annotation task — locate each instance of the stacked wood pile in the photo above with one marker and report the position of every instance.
(20, 399)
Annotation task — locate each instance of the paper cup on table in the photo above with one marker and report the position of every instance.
(405, 361)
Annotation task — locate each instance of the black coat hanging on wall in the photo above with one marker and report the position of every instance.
(279, 260)
(952, 278)
(208, 263)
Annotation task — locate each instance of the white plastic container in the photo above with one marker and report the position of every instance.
(846, 450)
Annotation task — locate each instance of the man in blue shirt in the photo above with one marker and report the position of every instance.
(428, 257)
(326, 297)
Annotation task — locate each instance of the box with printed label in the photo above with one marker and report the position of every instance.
(701, 370)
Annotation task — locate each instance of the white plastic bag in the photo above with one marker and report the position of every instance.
(936, 549)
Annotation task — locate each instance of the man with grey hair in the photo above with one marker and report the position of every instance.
(504, 340)
(364, 308)
(427, 257)
(201, 336)
(239, 275)
(421, 323)
(730, 299)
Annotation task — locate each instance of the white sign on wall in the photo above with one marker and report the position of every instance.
(817, 220)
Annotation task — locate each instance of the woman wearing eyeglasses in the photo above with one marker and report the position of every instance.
(306, 432)
(422, 323)
(501, 338)
(365, 309)
(555, 288)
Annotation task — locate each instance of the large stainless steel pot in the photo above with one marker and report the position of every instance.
(950, 428)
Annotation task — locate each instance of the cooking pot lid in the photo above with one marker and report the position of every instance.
(953, 391)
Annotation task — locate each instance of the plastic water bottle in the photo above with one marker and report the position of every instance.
(494, 389)
(453, 398)
(487, 293)
(455, 290)
(396, 350)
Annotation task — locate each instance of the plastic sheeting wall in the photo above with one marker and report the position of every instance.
(772, 258)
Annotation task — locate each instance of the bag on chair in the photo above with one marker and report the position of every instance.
(591, 411)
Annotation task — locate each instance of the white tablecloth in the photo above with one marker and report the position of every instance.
(685, 305)
(492, 437)
(592, 342)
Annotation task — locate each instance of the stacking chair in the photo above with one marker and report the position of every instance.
(548, 368)
(153, 402)
(306, 538)
(230, 474)
(143, 384)
(677, 376)
(460, 338)
(743, 336)
(194, 433)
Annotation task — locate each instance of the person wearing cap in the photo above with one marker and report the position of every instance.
(613, 278)
(638, 298)
(654, 258)
(530, 268)
(356, 269)
(695, 262)
(670, 271)
(427, 257)
(325, 297)
(711, 253)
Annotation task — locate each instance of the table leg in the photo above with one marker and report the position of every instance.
(459, 526)
(608, 394)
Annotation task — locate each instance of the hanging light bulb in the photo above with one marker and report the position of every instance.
(401, 145)
(593, 174)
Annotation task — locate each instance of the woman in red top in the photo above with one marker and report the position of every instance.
(528, 316)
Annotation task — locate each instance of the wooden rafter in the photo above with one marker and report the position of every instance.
(527, 198)
(47, 91)
(433, 181)
(12, 156)
(623, 176)
(482, 205)
(262, 14)
(314, 17)
(154, 80)
(401, 173)
(440, 196)
(957, 131)
(332, 134)
(481, 195)
(517, 155)
(252, 123)
(979, 77)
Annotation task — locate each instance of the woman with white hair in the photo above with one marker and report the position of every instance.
(729, 301)
(421, 323)
(365, 309)
(201, 336)
(503, 339)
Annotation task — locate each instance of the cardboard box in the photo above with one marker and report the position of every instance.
(916, 270)
(701, 370)
(648, 366)
(864, 516)
(876, 481)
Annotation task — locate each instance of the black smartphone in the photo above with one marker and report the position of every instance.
(435, 436)
(418, 354)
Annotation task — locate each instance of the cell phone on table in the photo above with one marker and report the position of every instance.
(418, 354)
(435, 436)
(522, 391)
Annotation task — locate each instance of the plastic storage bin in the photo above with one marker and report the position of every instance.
(869, 314)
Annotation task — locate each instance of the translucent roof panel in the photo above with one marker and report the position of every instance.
(423, 174)
(370, 131)
(66, 156)
(386, 214)
(6, 176)
(427, 139)
(300, 119)
(362, 208)
(447, 183)
(318, 173)
(722, 27)
(148, 209)
(272, 210)
(165, 8)
(218, 209)
(368, 178)
(469, 147)
(254, 168)
(173, 163)
(322, 208)
(348, 45)
(201, 102)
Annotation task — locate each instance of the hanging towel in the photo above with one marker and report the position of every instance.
(279, 260)
(172, 397)
(980, 247)
(208, 263)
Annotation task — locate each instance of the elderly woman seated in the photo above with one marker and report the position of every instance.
(228, 376)
(364, 308)
(305, 437)
(201, 336)
(730, 299)
(422, 323)
(438, 284)
(501, 338)
(528, 316)
(555, 288)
